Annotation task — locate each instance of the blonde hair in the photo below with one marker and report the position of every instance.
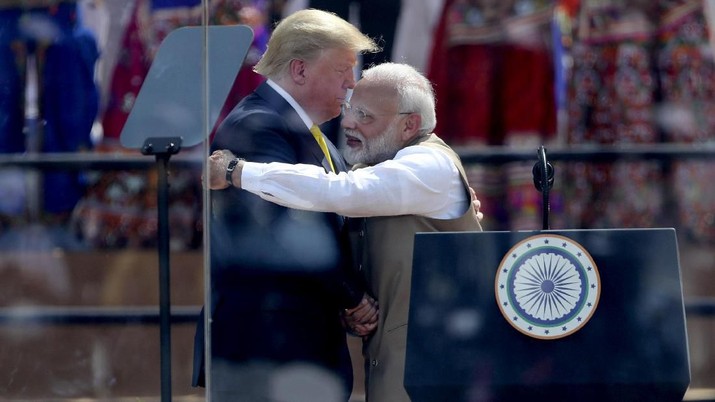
(304, 34)
(415, 93)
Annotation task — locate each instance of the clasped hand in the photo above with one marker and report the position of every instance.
(362, 319)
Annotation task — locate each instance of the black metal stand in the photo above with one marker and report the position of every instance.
(162, 149)
(543, 180)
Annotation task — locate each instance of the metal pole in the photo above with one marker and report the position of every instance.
(164, 277)
(163, 148)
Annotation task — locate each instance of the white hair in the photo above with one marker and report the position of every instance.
(414, 91)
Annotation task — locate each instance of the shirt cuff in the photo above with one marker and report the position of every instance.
(249, 175)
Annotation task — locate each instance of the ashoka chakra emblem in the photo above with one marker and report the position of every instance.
(547, 286)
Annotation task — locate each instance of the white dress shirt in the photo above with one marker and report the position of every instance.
(419, 180)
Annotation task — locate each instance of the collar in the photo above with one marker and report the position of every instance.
(282, 92)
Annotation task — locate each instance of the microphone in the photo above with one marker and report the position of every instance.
(543, 174)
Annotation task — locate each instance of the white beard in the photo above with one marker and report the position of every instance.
(375, 150)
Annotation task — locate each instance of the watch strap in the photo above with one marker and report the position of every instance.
(229, 170)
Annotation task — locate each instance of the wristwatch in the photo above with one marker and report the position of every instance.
(230, 168)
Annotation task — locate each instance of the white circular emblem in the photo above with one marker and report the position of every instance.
(547, 286)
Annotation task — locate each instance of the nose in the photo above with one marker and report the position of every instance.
(348, 119)
(350, 80)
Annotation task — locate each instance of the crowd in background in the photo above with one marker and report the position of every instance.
(517, 73)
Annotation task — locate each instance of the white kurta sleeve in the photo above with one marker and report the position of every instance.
(418, 181)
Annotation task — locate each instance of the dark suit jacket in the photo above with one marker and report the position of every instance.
(279, 277)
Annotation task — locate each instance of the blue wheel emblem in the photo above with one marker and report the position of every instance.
(547, 286)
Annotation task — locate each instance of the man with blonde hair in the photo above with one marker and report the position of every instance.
(280, 278)
(405, 180)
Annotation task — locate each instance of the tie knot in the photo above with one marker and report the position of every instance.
(316, 131)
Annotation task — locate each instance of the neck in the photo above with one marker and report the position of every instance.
(300, 94)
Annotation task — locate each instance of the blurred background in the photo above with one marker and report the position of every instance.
(621, 94)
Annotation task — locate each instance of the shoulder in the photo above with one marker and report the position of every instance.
(263, 110)
(426, 155)
(257, 134)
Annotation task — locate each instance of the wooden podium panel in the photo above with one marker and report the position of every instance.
(631, 344)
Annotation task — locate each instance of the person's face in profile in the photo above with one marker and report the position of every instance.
(372, 124)
(328, 79)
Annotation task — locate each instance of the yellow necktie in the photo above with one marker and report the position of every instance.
(321, 141)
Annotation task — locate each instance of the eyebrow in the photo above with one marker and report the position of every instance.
(343, 66)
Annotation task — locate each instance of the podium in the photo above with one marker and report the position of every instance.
(572, 315)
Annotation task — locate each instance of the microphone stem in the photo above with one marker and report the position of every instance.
(544, 187)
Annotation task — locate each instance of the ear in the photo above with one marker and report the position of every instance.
(411, 126)
(296, 68)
